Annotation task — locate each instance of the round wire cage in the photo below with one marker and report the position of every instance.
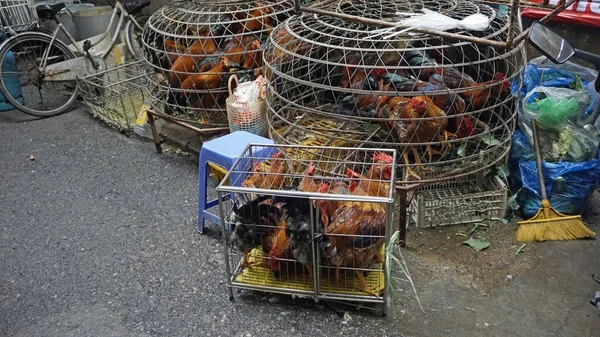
(195, 45)
(445, 105)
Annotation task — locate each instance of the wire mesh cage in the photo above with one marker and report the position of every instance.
(194, 45)
(446, 106)
(17, 15)
(116, 96)
(309, 220)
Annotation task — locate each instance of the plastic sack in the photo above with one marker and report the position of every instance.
(543, 72)
(553, 107)
(572, 143)
(569, 185)
(248, 93)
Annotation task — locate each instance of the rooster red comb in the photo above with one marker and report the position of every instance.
(383, 158)
(501, 77)
(352, 174)
(277, 155)
(323, 188)
(257, 167)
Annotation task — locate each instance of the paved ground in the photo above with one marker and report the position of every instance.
(97, 238)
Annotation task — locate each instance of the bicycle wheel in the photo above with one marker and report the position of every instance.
(21, 81)
(133, 39)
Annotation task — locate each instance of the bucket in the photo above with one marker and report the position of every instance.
(65, 18)
(93, 21)
(12, 81)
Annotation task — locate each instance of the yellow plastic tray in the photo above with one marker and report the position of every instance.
(347, 285)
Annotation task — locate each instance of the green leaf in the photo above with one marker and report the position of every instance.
(520, 250)
(461, 233)
(471, 229)
(504, 221)
(490, 140)
(461, 150)
(478, 243)
(503, 172)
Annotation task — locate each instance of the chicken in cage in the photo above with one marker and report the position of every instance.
(445, 105)
(195, 45)
(310, 221)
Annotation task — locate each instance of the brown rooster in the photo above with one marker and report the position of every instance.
(357, 229)
(211, 79)
(272, 179)
(185, 65)
(173, 49)
(402, 117)
(480, 96)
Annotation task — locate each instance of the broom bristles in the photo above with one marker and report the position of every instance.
(553, 226)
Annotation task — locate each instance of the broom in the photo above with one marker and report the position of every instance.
(548, 223)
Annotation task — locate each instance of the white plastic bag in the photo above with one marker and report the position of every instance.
(247, 93)
(431, 20)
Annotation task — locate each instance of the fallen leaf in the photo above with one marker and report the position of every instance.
(31, 157)
(461, 233)
(478, 243)
(521, 249)
(504, 221)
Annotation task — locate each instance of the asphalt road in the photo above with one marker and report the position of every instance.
(97, 238)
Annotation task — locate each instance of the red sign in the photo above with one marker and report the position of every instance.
(582, 13)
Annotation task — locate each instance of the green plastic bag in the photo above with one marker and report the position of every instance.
(553, 107)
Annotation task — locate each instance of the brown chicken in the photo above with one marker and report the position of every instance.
(211, 79)
(479, 97)
(402, 117)
(185, 65)
(173, 50)
(357, 229)
(257, 19)
(271, 179)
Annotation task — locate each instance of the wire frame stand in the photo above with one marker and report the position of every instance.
(193, 46)
(316, 252)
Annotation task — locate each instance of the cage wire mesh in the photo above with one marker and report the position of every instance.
(116, 96)
(445, 105)
(17, 15)
(195, 45)
(309, 220)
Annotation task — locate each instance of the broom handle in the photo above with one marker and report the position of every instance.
(538, 160)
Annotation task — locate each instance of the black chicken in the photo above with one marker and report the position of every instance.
(253, 223)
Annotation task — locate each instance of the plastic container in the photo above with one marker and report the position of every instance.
(460, 201)
(12, 81)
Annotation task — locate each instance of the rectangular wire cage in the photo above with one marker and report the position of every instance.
(116, 96)
(308, 220)
(462, 200)
(17, 15)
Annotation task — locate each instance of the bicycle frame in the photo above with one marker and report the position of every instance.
(75, 65)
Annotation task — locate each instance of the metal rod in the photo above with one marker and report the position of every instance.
(561, 7)
(315, 268)
(155, 136)
(389, 211)
(186, 125)
(225, 250)
(512, 22)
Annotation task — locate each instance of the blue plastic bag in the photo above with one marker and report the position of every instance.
(540, 72)
(569, 185)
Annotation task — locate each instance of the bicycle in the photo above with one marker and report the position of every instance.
(48, 67)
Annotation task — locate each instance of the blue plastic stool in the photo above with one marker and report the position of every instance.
(223, 151)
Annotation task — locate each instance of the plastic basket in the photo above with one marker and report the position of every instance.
(17, 15)
(116, 96)
(251, 118)
(464, 200)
